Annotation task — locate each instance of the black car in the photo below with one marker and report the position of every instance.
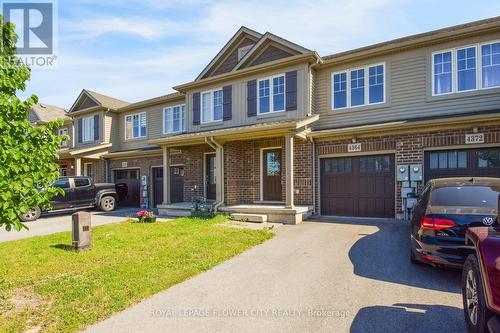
(444, 211)
(79, 192)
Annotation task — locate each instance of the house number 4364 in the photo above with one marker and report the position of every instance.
(474, 138)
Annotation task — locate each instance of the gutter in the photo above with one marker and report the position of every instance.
(216, 145)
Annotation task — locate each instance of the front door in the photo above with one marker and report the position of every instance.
(271, 175)
(210, 176)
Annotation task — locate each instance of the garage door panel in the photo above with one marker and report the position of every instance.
(363, 191)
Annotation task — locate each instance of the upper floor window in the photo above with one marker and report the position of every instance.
(490, 61)
(174, 119)
(211, 106)
(358, 87)
(271, 94)
(466, 68)
(88, 129)
(135, 126)
(61, 132)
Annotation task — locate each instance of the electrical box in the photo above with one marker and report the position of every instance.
(81, 231)
(406, 190)
(144, 180)
(410, 202)
(416, 172)
(402, 174)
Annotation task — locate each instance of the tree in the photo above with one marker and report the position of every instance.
(27, 152)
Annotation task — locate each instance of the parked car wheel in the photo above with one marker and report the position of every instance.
(32, 215)
(475, 311)
(108, 203)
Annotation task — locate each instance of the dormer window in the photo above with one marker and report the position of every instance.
(242, 51)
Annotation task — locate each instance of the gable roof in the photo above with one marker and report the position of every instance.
(227, 47)
(100, 100)
(264, 40)
(43, 113)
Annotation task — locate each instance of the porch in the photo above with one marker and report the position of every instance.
(260, 213)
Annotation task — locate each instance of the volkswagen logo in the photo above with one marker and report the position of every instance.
(488, 220)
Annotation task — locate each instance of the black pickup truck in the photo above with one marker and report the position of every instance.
(79, 192)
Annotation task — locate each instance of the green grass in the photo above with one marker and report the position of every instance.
(44, 285)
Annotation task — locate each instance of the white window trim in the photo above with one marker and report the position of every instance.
(367, 86)
(183, 124)
(212, 113)
(85, 173)
(271, 94)
(92, 134)
(454, 68)
(131, 117)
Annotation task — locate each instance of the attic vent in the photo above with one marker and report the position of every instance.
(242, 51)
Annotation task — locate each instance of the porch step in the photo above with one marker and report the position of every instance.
(181, 209)
(260, 218)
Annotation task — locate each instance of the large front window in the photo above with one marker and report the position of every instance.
(174, 119)
(211, 106)
(466, 68)
(271, 94)
(358, 87)
(88, 129)
(135, 126)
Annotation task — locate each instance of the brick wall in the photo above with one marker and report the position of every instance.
(69, 164)
(193, 171)
(408, 148)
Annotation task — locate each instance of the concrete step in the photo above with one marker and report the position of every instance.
(245, 217)
(176, 212)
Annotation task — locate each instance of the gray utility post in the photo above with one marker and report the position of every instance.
(81, 231)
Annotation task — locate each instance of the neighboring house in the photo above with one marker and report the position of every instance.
(42, 113)
(272, 130)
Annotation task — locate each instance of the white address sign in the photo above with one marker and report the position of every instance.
(352, 147)
(474, 138)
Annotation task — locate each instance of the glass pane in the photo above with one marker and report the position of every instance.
(376, 83)
(462, 159)
(452, 160)
(358, 87)
(205, 107)
(80, 182)
(442, 73)
(443, 160)
(218, 105)
(143, 124)
(264, 99)
(62, 183)
(340, 90)
(434, 164)
(135, 126)
(279, 93)
(490, 65)
(273, 164)
(468, 196)
(466, 68)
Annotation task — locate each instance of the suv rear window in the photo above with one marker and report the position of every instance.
(468, 196)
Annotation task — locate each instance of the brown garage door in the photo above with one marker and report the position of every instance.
(358, 186)
(462, 163)
(129, 177)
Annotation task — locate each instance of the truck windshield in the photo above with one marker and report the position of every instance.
(467, 196)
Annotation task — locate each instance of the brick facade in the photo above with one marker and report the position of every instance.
(408, 148)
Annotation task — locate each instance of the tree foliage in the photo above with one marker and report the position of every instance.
(27, 152)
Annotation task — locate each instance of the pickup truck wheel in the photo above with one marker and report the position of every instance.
(32, 215)
(475, 311)
(108, 203)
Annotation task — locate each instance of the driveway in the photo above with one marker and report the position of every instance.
(50, 223)
(340, 275)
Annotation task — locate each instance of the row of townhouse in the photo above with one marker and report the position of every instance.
(272, 128)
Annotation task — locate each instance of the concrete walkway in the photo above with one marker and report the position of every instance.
(50, 223)
(350, 276)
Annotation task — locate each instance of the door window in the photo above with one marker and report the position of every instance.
(81, 182)
(273, 164)
(62, 183)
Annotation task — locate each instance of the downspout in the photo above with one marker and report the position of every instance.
(215, 145)
(314, 175)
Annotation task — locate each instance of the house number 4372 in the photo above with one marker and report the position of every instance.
(474, 138)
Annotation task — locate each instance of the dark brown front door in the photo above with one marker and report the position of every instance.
(129, 183)
(176, 184)
(271, 175)
(358, 186)
(462, 163)
(210, 176)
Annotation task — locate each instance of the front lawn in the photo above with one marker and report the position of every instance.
(47, 287)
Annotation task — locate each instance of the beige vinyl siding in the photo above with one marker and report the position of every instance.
(239, 101)
(154, 116)
(408, 90)
(101, 130)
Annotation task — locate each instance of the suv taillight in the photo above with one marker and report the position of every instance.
(432, 223)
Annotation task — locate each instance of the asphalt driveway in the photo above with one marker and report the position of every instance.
(345, 275)
(50, 223)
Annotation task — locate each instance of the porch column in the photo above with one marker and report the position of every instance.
(219, 174)
(289, 171)
(166, 175)
(78, 166)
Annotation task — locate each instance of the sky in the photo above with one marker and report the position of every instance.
(135, 50)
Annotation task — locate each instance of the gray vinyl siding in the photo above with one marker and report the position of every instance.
(154, 116)
(101, 130)
(408, 90)
(239, 101)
